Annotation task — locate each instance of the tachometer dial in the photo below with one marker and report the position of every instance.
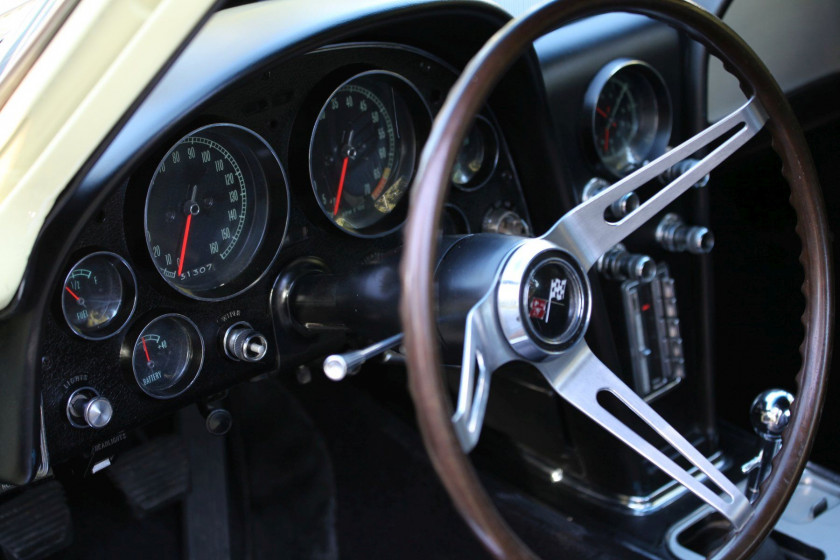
(207, 209)
(167, 356)
(629, 115)
(98, 295)
(363, 151)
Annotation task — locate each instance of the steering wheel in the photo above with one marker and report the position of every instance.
(498, 328)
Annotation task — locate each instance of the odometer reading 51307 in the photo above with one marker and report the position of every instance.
(206, 210)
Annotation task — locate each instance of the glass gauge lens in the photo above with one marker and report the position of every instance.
(167, 356)
(630, 116)
(363, 150)
(98, 296)
(477, 158)
(207, 210)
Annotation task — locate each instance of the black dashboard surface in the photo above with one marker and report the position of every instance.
(279, 100)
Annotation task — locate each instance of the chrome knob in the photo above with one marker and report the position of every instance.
(675, 236)
(770, 413)
(506, 222)
(618, 209)
(86, 408)
(242, 343)
(681, 168)
(620, 264)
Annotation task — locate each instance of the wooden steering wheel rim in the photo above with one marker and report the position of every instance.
(417, 307)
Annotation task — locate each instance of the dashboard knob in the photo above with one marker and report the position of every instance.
(87, 408)
(675, 236)
(618, 209)
(507, 222)
(620, 264)
(243, 343)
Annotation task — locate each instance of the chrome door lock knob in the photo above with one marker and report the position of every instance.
(769, 415)
(86, 408)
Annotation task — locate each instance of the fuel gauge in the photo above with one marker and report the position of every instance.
(98, 296)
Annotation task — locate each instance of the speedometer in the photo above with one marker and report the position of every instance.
(208, 207)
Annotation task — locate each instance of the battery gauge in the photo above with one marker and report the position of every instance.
(167, 356)
(98, 295)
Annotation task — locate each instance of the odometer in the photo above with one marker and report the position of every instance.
(207, 210)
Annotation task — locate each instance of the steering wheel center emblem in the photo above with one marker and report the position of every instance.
(543, 300)
(553, 301)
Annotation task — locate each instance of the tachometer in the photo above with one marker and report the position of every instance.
(628, 115)
(363, 150)
(208, 207)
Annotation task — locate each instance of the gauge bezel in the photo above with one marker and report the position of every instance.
(664, 121)
(198, 349)
(259, 152)
(488, 168)
(453, 210)
(129, 284)
(421, 115)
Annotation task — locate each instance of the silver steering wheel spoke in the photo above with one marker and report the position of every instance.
(485, 351)
(586, 232)
(579, 377)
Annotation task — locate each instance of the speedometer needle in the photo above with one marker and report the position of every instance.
(340, 185)
(184, 245)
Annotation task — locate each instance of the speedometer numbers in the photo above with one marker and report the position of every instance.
(363, 150)
(628, 116)
(207, 211)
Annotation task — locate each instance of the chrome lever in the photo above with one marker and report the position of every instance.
(769, 415)
(339, 366)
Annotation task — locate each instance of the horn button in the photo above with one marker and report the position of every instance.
(543, 300)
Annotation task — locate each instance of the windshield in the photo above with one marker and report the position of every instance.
(26, 27)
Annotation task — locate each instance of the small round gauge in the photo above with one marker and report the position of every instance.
(628, 115)
(477, 157)
(363, 150)
(167, 356)
(98, 296)
(454, 221)
(207, 211)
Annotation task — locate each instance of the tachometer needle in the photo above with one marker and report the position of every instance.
(601, 112)
(184, 244)
(340, 185)
(146, 350)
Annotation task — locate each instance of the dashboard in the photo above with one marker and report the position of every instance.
(257, 162)
(245, 221)
(280, 156)
(167, 291)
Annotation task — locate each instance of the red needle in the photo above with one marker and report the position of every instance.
(340, 185)
(146, 350)
(601, 112)
(77, 298)
(184, 244)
